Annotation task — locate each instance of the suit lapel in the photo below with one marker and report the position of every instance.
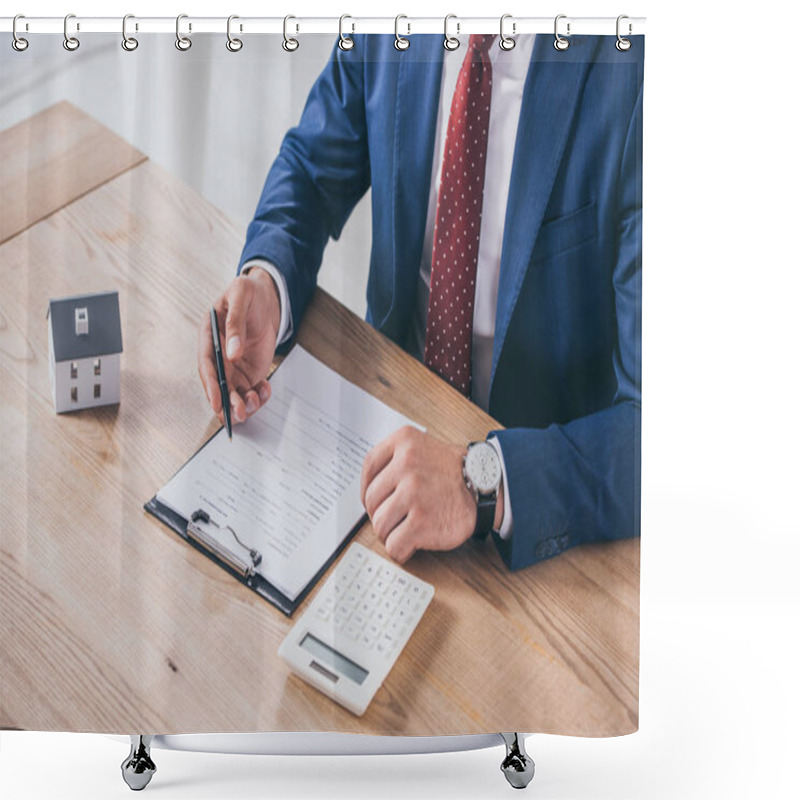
(418, 88)
(552, 91)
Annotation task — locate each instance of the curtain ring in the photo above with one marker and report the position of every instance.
(70, 42)
(289, 44)
(345, 42)
(560, 42)
(451, 42)
(233, 44)
(182, 42)
(129, 43)
(622, 44)
(506, 42)
(400, 42)
(18, 43)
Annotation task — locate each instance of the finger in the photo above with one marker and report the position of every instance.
(264, 390)
(381, 487)
(239, 298)
(251, 402)
(375, 460)
(389, 515)
(400, 545)
(206, 365)
(238, 412)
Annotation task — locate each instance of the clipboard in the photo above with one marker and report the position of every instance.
(314, 411)
(199, 532)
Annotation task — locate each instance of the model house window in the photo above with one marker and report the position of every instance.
(97, 367)
(81, 321)
(97, 390)
(74, 394)
(73, 370)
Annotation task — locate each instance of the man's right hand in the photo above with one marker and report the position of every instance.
(249, 314)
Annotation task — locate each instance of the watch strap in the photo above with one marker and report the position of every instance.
(484, 522)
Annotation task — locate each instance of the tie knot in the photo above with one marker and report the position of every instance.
(480, 43)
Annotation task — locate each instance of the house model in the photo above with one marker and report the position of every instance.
(85, 338)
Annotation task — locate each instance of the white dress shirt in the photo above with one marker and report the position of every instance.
(509, 71)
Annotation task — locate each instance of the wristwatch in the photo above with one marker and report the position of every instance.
(482, 475)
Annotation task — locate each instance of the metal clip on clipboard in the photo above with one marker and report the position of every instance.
(244, 562)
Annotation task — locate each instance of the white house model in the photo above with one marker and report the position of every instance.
(85, 338)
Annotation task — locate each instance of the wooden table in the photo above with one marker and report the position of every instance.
(110, 622)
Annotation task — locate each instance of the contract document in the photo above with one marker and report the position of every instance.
(288, 484)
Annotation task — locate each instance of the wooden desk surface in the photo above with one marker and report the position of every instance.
(109, 622)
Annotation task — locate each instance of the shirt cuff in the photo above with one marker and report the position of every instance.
(507, 523)
(285, 327)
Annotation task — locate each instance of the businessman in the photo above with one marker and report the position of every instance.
(506, 255)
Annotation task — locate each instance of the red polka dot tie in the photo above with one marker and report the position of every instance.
(454, 264)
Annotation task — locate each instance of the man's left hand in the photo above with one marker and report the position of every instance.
(414, 492)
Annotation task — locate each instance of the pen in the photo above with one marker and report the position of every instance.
(223, 385)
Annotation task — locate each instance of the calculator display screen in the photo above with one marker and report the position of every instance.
(333, 658)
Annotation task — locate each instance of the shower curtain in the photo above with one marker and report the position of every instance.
(424, 262)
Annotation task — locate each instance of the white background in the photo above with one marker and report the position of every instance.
(719, 695)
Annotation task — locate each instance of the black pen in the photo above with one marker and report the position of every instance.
(223, 384)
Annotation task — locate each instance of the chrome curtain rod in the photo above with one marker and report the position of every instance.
(407, 26)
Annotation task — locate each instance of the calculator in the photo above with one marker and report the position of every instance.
(355, 628)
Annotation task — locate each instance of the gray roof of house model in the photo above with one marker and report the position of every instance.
(105, 332)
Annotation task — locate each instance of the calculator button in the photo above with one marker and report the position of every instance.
(352, 599)
(352, 630)
(342, 612)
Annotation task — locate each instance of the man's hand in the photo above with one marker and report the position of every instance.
(414, 492)
(249, 315)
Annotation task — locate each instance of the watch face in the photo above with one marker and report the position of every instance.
(483, 467)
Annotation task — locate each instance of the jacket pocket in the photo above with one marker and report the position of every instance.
(566, 231)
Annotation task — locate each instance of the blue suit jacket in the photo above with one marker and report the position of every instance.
(567, 347)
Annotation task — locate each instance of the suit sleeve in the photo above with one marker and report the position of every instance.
(320, 173)
(580, 481)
